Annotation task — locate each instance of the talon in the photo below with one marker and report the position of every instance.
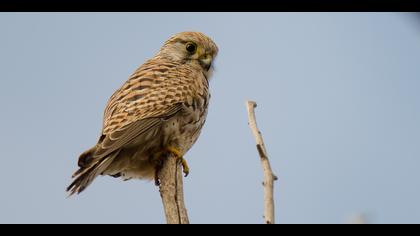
(158, 167)
(185, 167)
(157, 181)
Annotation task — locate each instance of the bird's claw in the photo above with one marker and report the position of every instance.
(185, 167)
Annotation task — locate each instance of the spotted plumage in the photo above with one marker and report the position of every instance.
(162, 105)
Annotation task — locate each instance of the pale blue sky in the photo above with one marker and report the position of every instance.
(339, 108)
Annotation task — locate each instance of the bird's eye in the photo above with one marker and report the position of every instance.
(191, 47)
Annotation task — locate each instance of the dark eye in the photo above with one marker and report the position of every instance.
(191, 47)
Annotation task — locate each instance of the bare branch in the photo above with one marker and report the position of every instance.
(171, 191)
(269, 177)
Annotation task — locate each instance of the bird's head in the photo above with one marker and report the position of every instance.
(190, 47)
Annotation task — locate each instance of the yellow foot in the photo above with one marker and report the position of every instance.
(178, 154)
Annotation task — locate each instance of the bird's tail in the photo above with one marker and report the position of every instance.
(90, 168)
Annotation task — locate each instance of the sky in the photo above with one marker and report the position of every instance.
(338, 106)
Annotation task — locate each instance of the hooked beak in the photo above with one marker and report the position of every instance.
(206, 62)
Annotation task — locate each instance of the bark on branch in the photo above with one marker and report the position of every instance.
(172, 192)
(269, 177)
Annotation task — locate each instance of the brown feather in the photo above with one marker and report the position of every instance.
(163, 103)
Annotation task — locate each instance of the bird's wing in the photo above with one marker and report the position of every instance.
(152, 89)
(97, 159)
(126, 134)
(155, 92)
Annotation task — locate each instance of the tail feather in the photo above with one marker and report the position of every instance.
(86, 157)
(89, 170)
(85, 161)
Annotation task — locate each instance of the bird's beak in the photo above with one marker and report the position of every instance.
(206, 62)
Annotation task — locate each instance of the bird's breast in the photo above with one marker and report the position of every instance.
(183, 129)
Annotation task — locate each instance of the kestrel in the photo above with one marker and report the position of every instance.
(160, 109)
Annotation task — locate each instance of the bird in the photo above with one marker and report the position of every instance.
(159, 111)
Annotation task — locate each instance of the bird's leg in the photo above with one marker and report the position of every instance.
(179, 155)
